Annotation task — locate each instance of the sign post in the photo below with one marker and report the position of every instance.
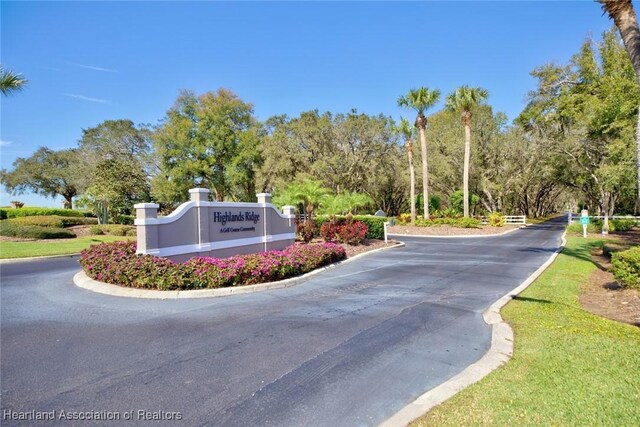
(584, 220)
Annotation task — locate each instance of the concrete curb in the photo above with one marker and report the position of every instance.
(36, 258)
(463, 236)
(498, 354)
(81, 280)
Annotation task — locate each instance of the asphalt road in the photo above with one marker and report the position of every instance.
(349, 347)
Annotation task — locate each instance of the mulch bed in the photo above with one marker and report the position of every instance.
(603, 296)
(367, 246)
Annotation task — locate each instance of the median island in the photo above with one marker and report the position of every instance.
(117, 263)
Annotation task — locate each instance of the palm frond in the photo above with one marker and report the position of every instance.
(465, 98)
(10, 81)
(420, 99)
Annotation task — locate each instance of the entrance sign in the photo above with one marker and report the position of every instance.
(213, 229)
(584, 220)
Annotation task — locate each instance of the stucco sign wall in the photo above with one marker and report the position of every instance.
(216, 229)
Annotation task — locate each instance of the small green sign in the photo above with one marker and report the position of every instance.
(584, 220)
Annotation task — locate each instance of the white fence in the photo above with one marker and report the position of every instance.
(510, 219)
(576, 217)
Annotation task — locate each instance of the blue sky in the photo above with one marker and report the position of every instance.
(87, 62)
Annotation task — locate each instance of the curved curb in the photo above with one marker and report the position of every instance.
(460, 236)
(81, 280)
(36, 258)
(498, 354)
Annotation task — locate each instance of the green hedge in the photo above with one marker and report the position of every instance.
(625, 267)
(375, 224)
(113, 230)
(452, 222)
(52, 221)
(20, 212)
(457, 222)
(9, 229)
(623, 224)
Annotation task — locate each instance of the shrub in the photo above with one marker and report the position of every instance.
(403, 219)
(53, 221)
(307, 230)
(375, 224)
(117, 229)
(453, 222)
(457, 200)
(343, 230)
(599, 223)
(623, 224)
(124, 219)
(113, 230)
(16, 213)
(352, 233)
(329, 230)
(625, 267)
(595, 226)
(118, 263)
(3, 214)
(496, 219)
(9, 229)
(96, 229)
(576, 228)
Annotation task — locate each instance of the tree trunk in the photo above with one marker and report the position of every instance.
(412, 176)
(605, 202)
(425, 173)
(465, 180)
(68, 202)
(491, 203)
(638, 163)
(623, 15)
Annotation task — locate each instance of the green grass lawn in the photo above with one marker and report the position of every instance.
(59, 247)
(570, 367)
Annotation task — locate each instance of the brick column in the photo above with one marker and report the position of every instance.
(147, 227)
(200, 195)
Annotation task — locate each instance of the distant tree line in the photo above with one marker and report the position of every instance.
(573, 144)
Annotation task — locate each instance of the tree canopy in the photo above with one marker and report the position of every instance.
(46, 172)
(208, 141)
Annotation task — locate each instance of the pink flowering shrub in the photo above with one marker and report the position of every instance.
(118, 263)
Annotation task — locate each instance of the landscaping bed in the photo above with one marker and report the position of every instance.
(446, 230)
(118, 264)
(603, 295)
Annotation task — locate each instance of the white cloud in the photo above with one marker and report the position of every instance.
(86, 98)
(93, 67)
(4, 143)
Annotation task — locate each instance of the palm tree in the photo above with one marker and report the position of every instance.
(309, 193)
(406, 130)
(421, 99)
(623, 15)
(463, 100)
(10, 81)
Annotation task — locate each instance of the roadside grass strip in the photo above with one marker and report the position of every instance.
(27, 249)
(569, 367)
